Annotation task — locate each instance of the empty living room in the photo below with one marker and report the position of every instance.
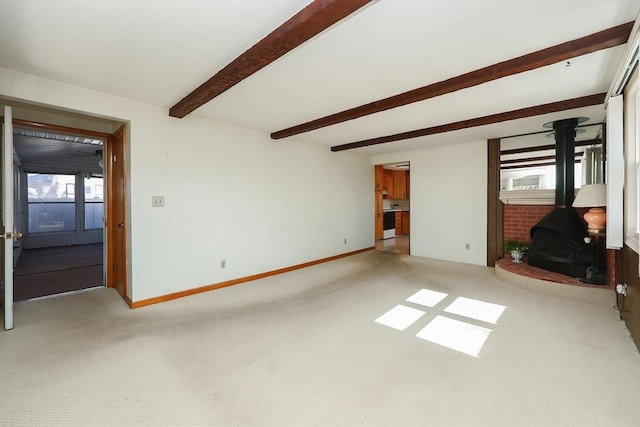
(219, 166)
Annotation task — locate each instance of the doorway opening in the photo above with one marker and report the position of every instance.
(392, 207)
(60, 205)
(65, 195)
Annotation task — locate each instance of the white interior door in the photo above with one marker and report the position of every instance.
(7, 218)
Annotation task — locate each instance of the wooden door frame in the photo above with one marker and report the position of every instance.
(111, 216)
(109, 200)
(377, 213)
(495, 232)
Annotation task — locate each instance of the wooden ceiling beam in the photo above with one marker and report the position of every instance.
(527, 160)
(601, 40)
(553, 107)
(309, 22)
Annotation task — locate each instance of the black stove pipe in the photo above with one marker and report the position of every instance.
(565, 134)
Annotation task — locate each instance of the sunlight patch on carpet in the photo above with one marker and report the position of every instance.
(400, 317)
(475, 309)
(460, 336)
(427, 297)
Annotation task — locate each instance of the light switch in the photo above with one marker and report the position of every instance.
(157, 201)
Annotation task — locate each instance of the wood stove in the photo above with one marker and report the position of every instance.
(557, 240)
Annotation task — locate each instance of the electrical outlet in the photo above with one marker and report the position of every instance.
(345, 240)
(223, 263)
(157, 201)
(467, 246)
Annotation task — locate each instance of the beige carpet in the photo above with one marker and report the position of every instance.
(304, 349)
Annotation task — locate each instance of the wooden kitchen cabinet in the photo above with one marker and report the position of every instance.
(388, 183)
(402, 222)
(399, 184)
(405, 222)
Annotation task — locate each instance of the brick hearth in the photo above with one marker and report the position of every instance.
(524, 269)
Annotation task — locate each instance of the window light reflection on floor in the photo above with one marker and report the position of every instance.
(427, 297)
(400, 317)
(475, 309)
(460, 336)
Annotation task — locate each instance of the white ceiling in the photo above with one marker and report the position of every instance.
(159, 51)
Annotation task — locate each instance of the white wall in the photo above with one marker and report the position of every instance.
(230, 193)
(448, 188)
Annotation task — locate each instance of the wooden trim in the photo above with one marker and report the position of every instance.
(601, 40)
(128, 301)
(188, 292)
(532, 165)
(527, 166)
(494, 206)
(549, 147)
(61, 129)
(304, 25)
(121, 200)
(553, 107)
(527, 159)
(629, 306)
(115, 201)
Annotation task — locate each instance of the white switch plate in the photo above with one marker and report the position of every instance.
(157, 201)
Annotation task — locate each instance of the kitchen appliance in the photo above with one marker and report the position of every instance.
(388, 225)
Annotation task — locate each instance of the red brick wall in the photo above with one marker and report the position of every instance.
(518, 220)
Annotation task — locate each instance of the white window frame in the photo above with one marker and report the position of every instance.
(632, 164)
(616, 163)
(637, 144)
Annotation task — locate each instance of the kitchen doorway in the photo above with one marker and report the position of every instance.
(398, 244)
(392, 207)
